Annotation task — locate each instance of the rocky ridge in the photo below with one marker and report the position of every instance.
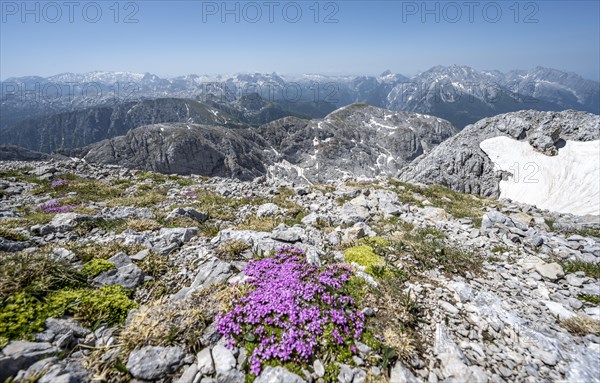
(493, 290)
(355, 141)
(460, 164)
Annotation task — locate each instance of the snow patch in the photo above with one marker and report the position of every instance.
(566, 183)
(372, 123)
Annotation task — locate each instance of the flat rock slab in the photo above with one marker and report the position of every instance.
(152, 363)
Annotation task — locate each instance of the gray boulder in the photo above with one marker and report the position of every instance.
(127, 212)
(20, 355)
(177, 235)
(267, 210)
(12, 246)
(278, 375)
(153, 362)
(210, 272)
(206, 365)
(125, 274)
(287, 234)
(401, 374)
(186, 212)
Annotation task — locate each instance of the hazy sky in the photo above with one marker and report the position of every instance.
(170, 38)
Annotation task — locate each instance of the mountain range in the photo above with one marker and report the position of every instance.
(459, 94)
(204, 125)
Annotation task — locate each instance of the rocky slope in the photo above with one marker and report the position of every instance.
(185, 149)
(82, 127)
(451, 287)
(460, 163)
(86, 126)
(354, 141)
(358, 140)
(17, 153)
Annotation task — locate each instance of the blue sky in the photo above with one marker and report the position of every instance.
(170, 38)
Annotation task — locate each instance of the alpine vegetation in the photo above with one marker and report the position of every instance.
(116, 274)
(292, 311)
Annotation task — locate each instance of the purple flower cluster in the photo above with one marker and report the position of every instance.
(291, 309)
(189, 194)
(54, 206)
(58, 183)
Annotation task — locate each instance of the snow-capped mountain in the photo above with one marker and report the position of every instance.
(568, 90)
(459, 94)
(97, 76)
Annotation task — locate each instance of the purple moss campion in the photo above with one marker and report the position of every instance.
(59, 183)
(189, 194)
(292, 309)
(54, 207)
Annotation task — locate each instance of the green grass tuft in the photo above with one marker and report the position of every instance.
(12, 235)
(96, 267)
(591, 270)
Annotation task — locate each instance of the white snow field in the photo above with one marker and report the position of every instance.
(567, 183)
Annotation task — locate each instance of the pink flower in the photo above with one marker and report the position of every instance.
(289, 307)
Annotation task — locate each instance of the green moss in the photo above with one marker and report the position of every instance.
(356, 287)
(109, 304)
(550, 223)
(370, 340)
(22, 314)
(499, 249)
(96, 267)
(365, 256)
(376, 241)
